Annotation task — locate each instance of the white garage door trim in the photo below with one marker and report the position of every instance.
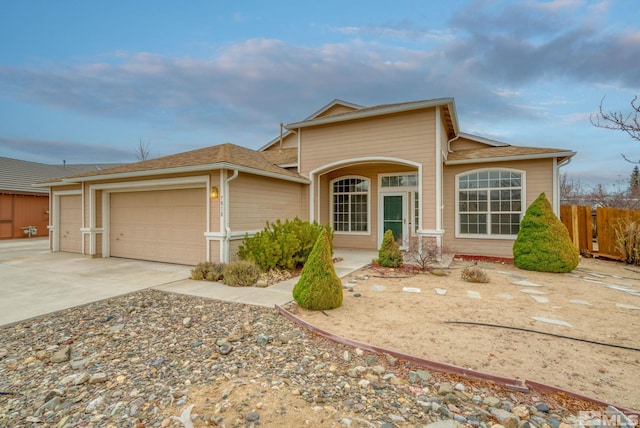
(56, 215)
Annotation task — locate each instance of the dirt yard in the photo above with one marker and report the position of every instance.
(596, 302)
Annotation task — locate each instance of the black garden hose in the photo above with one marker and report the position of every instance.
(526, 330)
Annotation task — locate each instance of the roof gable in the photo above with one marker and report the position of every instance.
(447, 104)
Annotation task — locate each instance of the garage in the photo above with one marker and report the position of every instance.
(69, 235)
(160, 225)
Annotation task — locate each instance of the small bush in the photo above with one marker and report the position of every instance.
(207, 270)
(281, 245)
(543, 243)
(319, 287)
(627, 240)
(474, 274)
(241, 273)
(389, 254)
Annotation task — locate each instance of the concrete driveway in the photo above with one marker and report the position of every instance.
(34, 281)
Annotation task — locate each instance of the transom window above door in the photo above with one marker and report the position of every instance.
(400, 180)
(350, 205)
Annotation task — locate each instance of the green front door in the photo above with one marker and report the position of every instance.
(393, 216)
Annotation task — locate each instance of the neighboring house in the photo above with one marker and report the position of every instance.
(24, 209)
(405, 167)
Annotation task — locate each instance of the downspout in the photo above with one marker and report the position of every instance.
(451, 141)
(556, 184)
(227, 228)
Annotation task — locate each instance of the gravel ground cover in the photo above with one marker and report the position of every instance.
(144, 359)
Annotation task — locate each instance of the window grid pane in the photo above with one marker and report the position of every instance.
(406, 180)
(490, 202)
(350, 205)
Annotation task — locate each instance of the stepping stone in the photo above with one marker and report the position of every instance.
(378, 287)
(501, 272)
(473, 294)
(597, 275)
(572, 275)
(411, 290)
(505, 296)
(594, 281)
(625, 306)
(441, 291)
(551, 321)
(580, 302)
(532, 292)
(526, 283)
(619, 288)
(540, 299)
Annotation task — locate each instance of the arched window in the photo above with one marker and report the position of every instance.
(489, 203)
(350, 205)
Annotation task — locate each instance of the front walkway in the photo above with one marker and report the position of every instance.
(277, 294)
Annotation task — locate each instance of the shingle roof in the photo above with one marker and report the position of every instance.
(18, 176)
(194, 160)
(505, 153)
(282, 156)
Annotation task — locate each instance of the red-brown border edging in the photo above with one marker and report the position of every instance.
(522, 386)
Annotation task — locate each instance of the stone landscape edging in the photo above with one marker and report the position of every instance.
(518, 385)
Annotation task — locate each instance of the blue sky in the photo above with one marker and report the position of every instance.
(86, 81)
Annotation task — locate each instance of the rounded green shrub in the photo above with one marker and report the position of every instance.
(319, 287)
(389, 254)
(543, 243)
(241, 273)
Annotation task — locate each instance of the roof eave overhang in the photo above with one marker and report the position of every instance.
(563, 155)
(49, 184)
(179, 170)
(377, 112)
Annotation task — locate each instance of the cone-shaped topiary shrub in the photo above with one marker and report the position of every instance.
(389, 254)
(319, 287)
(543, 243)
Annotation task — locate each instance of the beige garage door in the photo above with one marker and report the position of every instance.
(164, 226)
(70, 223)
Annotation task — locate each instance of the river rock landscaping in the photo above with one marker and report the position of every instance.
(145, 359)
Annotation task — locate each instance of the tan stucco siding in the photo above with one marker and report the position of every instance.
(289, 141)
(407, 136)
(539, 178)
(253, 200)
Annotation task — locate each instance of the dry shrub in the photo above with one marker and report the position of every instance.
(241, 273)
(627, 240)
(207, 270)
(474, 274)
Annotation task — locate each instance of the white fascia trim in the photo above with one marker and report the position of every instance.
(511, 158)
(287, 165)
(67, 192)
(483, 140)
(185, 169)
(160, 183)
(360, 114)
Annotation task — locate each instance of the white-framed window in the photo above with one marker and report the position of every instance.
(350, 205)
(489, 203)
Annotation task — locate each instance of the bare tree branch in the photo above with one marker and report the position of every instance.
(619, 121)
(142, 151)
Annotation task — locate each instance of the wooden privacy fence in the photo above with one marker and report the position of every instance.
(578, 220)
